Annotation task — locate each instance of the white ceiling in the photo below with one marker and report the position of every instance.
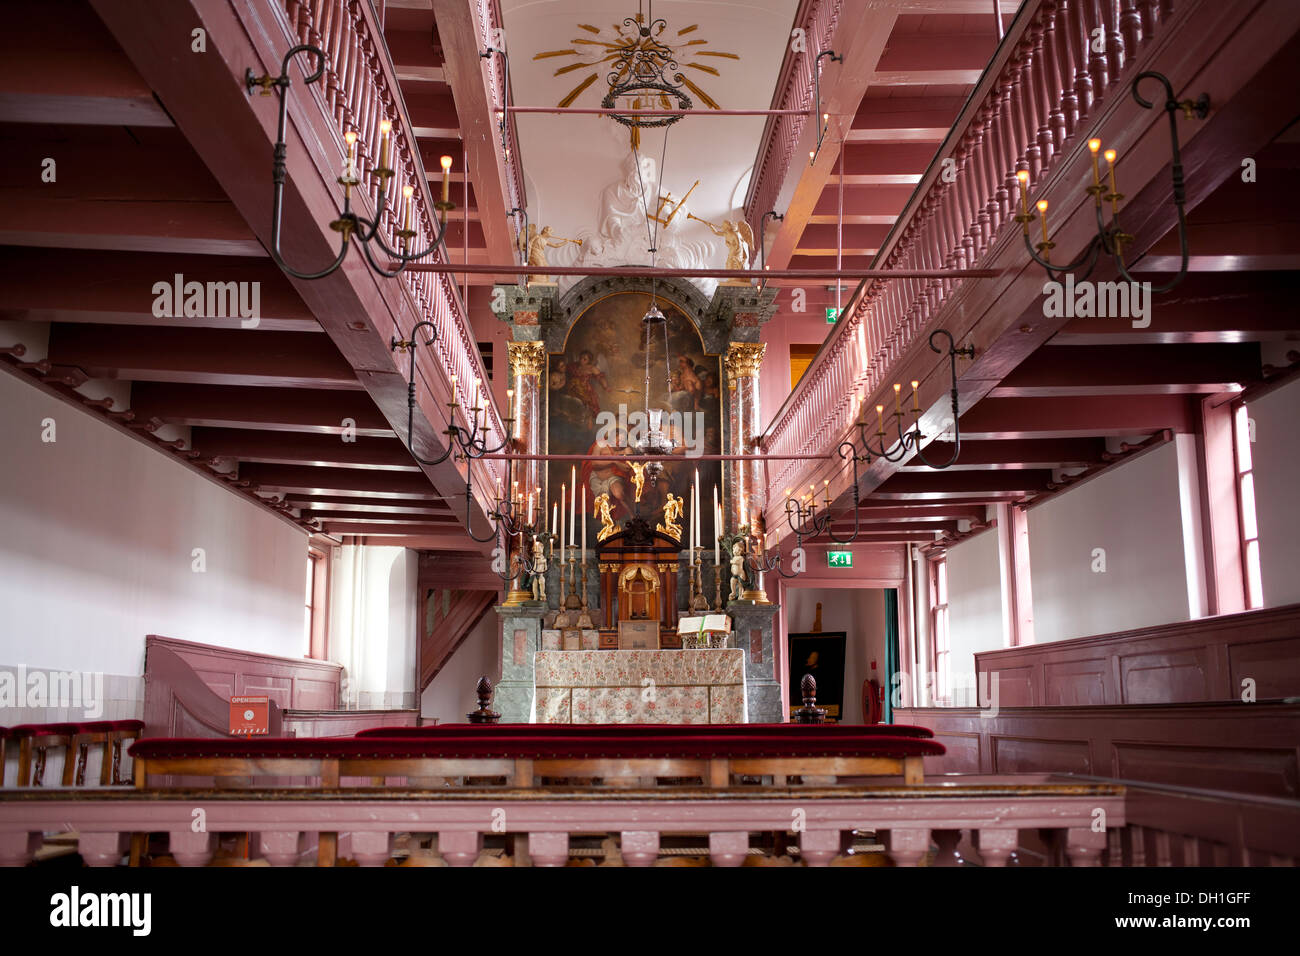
(570, 160)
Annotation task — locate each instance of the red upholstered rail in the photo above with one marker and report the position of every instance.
(667, 731)
(520, 746)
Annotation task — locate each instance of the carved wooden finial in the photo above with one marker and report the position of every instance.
(809, 713)
(485, 714)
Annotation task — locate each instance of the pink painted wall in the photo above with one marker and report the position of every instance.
(451, 694)
(974, 609)
(784, 329)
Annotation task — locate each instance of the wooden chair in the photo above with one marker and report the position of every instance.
(35, 741)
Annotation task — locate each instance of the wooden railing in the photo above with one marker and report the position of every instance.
(487, 19)
(794, 90)
(285, 825)
(1045, 84)
(359, 89)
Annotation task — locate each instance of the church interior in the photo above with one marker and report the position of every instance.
(541, 433)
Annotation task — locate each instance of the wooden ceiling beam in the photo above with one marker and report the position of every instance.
(300, 480)
(347, 504)
(202, 356)
(1008, 484)
(1112, 415)
(1021, 454)
(251, 445)
(323, 412)
(1055, 371)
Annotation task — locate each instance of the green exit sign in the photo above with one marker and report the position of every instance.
(839, 559)
(831, 315)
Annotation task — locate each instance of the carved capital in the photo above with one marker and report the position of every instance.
(744, 359)
(527, 358)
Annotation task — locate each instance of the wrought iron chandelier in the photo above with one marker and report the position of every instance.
(349, 223)
(1111, 238)
(640, 71)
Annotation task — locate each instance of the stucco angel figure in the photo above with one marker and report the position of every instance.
(539, 570)
(606, 519)
(673, 509)
(739, 239)
(737, 570)
(534, 246)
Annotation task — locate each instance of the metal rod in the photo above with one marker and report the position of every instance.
(639, 457)
(648, 272)
(595, 111)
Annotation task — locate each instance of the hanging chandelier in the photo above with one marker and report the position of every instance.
(654, 441)
(641, 71)
(349, 223)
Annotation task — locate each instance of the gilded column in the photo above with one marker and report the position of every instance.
(527, 362)
(743, 361)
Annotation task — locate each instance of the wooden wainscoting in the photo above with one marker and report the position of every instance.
(1247, 748)
(293, 683)
(1203, 660)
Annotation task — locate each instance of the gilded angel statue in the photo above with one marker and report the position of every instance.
(534, 246)
(738, 237)
(606, 519)
(673, 509)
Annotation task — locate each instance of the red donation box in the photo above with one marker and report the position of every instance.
(249, 716)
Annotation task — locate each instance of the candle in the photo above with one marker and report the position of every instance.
(562, 490)
(529, 519)
(555, 509)
(690, 525)
(880, 418)
(1042, 216)
(898, 389)
(1022, 177)
(717, 528)
(916, 399)
(583, 540)
(510, 404)
(573, 501)
(407, 192)
(698, 502)
(1114, 193)
(386, 129)
(446, 168)
(826, 491)
(1093, 146)
(350, 164)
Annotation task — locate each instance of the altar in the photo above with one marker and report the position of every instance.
(640, 687)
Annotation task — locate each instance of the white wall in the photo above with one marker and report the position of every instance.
(1276, 457)
(860, 612)
(1132, 514)
(96, 550)
(451, 695)
(974, 609)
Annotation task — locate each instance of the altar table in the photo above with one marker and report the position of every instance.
(640, 687)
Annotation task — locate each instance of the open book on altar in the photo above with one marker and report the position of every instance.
(705, 624)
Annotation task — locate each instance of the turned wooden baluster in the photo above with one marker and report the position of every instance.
(1130, 25)
(1080, 44)
(1065, 63)
(1098, 64)
(990, 160)
(315, 22)
(1009, 152)
(1054, 81)
(333, 36)
(1023, 113)
(1038, 95)
(1114, 38)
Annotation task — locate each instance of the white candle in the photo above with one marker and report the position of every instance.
(690, 527)
(698, 502)
(583, 539)
(562, 491)
(555, 508)
(573, 501)
(717, 529)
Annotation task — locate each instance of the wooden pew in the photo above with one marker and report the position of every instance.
(35, 742)
(522, 759)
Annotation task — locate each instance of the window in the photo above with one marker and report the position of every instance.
(1246, 504)
(939, 632)
(315, 605)
(801, 357)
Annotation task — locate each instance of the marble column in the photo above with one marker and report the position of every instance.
(521, 638)
(752, 627)
(745, 498)
(527, 363)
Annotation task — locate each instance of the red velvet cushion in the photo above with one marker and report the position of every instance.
(43, 730)
(127, 726)
(531, 747)
(94, 727)
(644, 730)
(4, 731)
